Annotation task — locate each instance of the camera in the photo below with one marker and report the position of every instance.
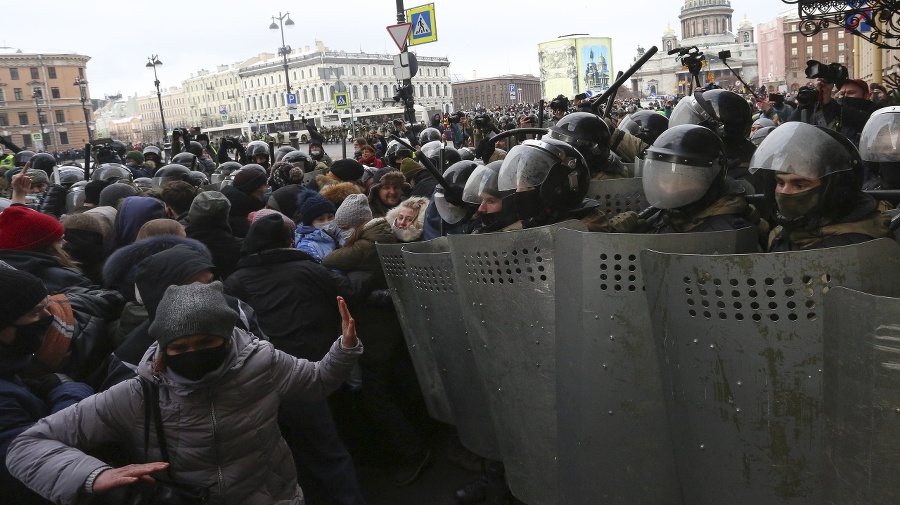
(724, 55)
(806, 96)
(453, 118)
(834, 72)
(482, 120)
(183, 133)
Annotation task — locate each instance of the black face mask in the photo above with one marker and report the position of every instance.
(194, 365)
(528, 204)
(29, 337)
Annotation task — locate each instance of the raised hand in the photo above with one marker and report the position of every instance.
(348, 325)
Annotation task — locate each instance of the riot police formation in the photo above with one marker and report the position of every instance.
(581, 307)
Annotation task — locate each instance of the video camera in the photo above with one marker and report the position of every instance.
(833, 72)
(231, 142)
(105, 150)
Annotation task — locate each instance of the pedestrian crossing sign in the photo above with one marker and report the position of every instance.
(424, 28)
(342, 100)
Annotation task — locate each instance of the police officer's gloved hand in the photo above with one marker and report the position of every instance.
(626, 222)
(380, 298)
(45, 384)
(453, 195)
(484, 151)
(54, 201)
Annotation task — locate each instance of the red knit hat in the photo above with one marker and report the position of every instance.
(24, 229)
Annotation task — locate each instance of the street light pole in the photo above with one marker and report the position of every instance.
(38, 95)
(153, 62)
(284, 51)
(81, 83)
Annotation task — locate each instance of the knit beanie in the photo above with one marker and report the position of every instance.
(192, 310)
(248, 178)
(92, 191)
(209, 206)
(353, 212)
(38, 176)
(23, 229)
(136, 156)
(284, 199)
(112, 194)
(261, 213)
(347, 170)
(409, 167)
(313, 205)
(21, 292)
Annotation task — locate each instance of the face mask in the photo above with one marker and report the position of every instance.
(131, 163)
(266, 195)
(29, 337)
(528, 204)
(324, 225)
(315, 154)
(797, 205)
(346, 234)
(195, 365)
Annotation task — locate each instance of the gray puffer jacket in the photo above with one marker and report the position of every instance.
(221, 431)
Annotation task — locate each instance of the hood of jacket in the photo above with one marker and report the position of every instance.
(241, 203)
(414, 231)
(121, 267)
(133, 213)
(166, 268)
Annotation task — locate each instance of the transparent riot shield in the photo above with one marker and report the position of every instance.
(862, 398)
(433, 285)
(506, 287)
(416, 334)
(309, 176)
(739, 340)
(614, 443)
(618, 195)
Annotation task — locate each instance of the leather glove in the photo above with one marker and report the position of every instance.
(380, 298)
(45, 384)
(626, 222)
(54, 202)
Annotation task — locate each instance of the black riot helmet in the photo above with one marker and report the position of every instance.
(281, 151)
(22, 157)
(685, 166)
(184, 158)
(720, 110)
(43, 162)
(556, 169)
(153, 154)
(111, 172)
(760, 135)
(224, 171)
(586, 132)
(195, 148)
(300, 159)
(812, 152)
(437, 151)
(257, 148)
(70, 175)
(198, 179)
(169, 173)
(466, 153)
(456, 175)
(645, 125)
(396, 149)
(429, 134)
(879, 147)
(119, 148)
(143, 183)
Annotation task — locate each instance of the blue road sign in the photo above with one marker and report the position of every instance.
(292, 98)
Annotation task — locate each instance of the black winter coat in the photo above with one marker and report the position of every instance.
(224, 246)
(47, 268)
(241, 205)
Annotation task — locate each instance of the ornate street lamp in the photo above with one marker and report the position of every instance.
(81, 83)
(153, 62)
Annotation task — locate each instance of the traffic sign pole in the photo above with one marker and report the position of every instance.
(409, 102)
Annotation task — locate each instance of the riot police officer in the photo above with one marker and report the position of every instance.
(878, 149)
(496, 209)
(448, 213)
(587, 133)
(813, 186)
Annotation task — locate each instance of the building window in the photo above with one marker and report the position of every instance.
(4, 119)
(809, 50)
(60, 116)
(34, 73)
(365, 89)
(2, 95)
(793, 51)
(794, 63)
(81, 73)
(14, 74)
(63, 138)
(793, 39)
(54, 92)
(841, 59)
(793, 28)
(26, 140)
(23, 118)
(375, 92)
(824, 35)
(841, 34)
(363, 70)
(51, 71)
(824, 48)
(352, 70)
(841, 46)
(445, 90)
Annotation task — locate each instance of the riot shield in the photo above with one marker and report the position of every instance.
(506, 287)
(614, 443)
(430, 272)
(309, 176)
(739, 345)
(862, 398)
(618, 195)
(415, 331)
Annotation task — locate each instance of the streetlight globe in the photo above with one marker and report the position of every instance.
(273, 26)
(289, 22)
(149, 64)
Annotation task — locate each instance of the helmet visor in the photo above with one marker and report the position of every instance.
(880, 138)
(482, 180)
(688, 111)
(670, 185)
(627, 124)
(800, 149)
(448, 212)
(526, 165)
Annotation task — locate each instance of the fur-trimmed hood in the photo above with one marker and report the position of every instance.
(121, 267)
(414, 232)
(336, 193)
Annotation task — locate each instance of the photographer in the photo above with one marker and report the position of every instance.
(232, 143)
(816, 106)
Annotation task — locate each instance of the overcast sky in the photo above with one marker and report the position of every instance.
(487, 37)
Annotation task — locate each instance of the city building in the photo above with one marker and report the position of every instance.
(707, 26)
(574, 64)
(40, 89)
(174, 106)
(492, 91)
(832, 44)
(114, 108)
(773, 61)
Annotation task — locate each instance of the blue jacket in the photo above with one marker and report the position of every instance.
(314, 242)
(436, 227)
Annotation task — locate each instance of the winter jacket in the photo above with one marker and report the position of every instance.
(423, 184)
(294, 299)
(435, 227)
(57, 278)
(222, 244)
(314, 242)
(863, 223)
(221, 431)
(242, 204)
(414, 231)
(133, 213)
